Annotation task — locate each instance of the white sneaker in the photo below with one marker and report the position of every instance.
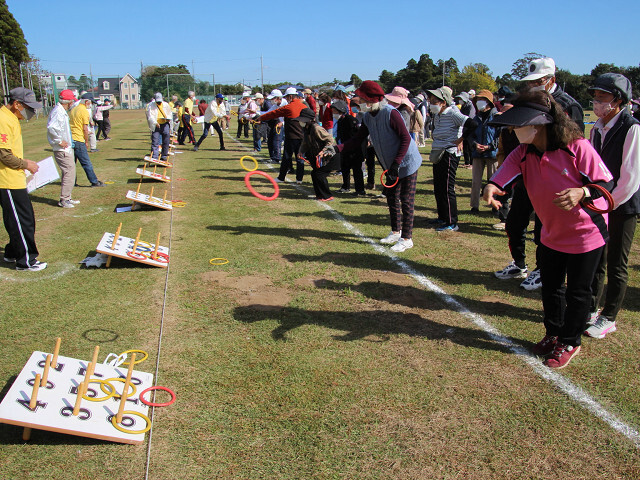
(298, 182)
(402, 245)
(75, 202)
(33, 268)
(66, 204)
(344, 190)
(278, 180)
(533, 281)
(600, 329)
(593, 317)
(391, 238)
(512, 271)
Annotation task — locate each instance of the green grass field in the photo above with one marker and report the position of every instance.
(310, 355)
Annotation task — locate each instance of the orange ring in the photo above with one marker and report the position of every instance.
(247, 182)
(135, 254)
(388, 186)
(606, 194)
(153, 404)
(158, 256)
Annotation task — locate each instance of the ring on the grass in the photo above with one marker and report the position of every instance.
(218, 261)
(138, 360)
(607, 196)
(251, 158)
(137, 255)
(100, 399)
(158, 256)
(133, 432)
(382, 180)
(178, 204)
(116, 394)
(109, 182)
(247, 181)
(153, 404)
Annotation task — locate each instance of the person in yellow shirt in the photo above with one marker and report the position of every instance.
(79, 123)
(19, 220)
(186, 116)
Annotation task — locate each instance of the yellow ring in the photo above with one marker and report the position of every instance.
(178, 204)
(109, 183)
(223, 262)
(254, 161)
(123, 380)
(101, 399)
(132, 432)
(146, 355)
(148, 245)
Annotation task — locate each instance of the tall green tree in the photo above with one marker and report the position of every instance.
(12, 44)
(154, 79)
(520, 67)
(355, 80)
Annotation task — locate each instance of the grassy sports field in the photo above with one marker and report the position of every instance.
(312, 354)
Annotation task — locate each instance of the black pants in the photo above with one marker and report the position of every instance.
(240, 127)
(99, 129)
(291, 149)
(216, 127)
(370, 160)
(613, 264)
(352, 161)
(566, 308)
(20, 223)
(187, 129)
(444, 188)
(106, 126)
(319, 177)
(517, 223)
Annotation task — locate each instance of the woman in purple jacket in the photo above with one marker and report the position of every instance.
(558, 166)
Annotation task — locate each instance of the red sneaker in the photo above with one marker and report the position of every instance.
(561, 355)
(545, 346)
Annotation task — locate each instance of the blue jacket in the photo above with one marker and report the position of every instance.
(485, 135)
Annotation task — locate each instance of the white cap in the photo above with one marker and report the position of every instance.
(258, 95)
(274, 93)
(157, 97)
(472, 93)
(291, 91)
(540, 67)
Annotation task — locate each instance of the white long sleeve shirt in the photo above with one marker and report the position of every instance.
(58, 129)
(629, 181)
(214, 112)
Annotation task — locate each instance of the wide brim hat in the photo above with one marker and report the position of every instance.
(441, 94)
(306, 115)
(522, 115)
(370, 91)
(486, 94)
(400, 96)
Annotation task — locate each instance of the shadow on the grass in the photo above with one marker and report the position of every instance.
(46, 201)
(360, 325)
(292, 233)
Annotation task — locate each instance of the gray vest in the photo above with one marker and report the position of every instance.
(386, 143)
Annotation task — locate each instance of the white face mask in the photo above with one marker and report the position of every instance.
(434, 108)
(481, 104)
(540, 88)
(602, 109)
(526, 134)
(364, 107)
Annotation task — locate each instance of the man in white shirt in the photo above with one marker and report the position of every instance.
(212, 115)
(59, 136)
(159, 118)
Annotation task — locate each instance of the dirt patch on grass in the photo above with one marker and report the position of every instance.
(255, 290)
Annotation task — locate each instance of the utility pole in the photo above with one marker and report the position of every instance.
(193, 74)
(6, 77)
(262, 74)
(4, 89)
(214, 83)
(21, 77)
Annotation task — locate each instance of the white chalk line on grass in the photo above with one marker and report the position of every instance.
(25, 276)
(565, 385)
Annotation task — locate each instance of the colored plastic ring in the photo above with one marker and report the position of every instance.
(178, 204)
(388, 186)
(254, 161)
(123, 380)
(138, 360)
(158, 256)
(223, 261)
(133, 432)
(319, 161)
(136, 255)
(147, 247)
(153, 404)
(101, 399)
(109, 183)
(278, 129)
(606, 194)
(247, 181)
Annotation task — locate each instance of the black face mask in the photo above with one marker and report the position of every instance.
(158, 103)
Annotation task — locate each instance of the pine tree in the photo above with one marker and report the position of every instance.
(12, 44)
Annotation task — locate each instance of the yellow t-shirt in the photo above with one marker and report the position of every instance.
(78, 117)
(11, 139)
(162, 118)
(188, 104)
(173, 107)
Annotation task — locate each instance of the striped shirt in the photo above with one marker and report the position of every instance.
(448, 129)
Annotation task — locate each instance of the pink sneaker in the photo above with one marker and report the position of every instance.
(561, 355)
(545, 346)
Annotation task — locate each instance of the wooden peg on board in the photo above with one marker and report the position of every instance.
(45, 373)
(135, 244)
(82, 389)
(125, 390)
(94, 360)
(56, 350)
(155, 251)
(34, 392)
(116, 236)
(155, 167)
(151, 194)
(164, 174)
(164, 198)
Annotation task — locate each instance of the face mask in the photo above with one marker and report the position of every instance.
(355, 109)
(601, 109)
(539, 88)
(481, 104)
(526, 134)
(434, 108)
(158, 103)
(365, 108)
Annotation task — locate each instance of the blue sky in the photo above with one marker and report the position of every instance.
(314, 42)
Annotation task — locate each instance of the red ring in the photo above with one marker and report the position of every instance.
(247, 182)
(153, 404)
(158, 256)
(382, 180)
(133, 254)
(606, 194)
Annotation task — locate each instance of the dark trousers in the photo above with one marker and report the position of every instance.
(613, 263)
(352, 161)
(160, 136)
(20, 223)
(444, 188)
(517, 223)
(242, 126)
(106, 126)
(291, 149)
(100, 129)
(319, 176)
(566, 308)
(370, 160)
(216, 127)
(187, 129)
(401, 200)
(274, 142)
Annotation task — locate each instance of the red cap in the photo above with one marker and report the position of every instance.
(67, 95)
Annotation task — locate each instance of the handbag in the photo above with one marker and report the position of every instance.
(436, 155)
